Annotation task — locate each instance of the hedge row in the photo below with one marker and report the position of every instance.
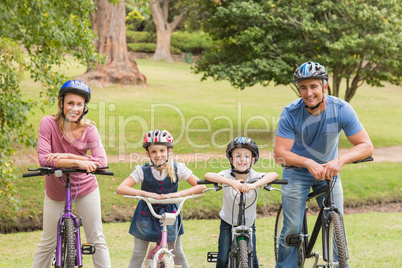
(194, 42)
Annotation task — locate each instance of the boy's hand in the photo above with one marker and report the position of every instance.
(236, 185)
(246, 187)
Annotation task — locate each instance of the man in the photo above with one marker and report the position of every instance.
(307, 145)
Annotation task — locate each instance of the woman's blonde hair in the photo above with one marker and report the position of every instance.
(60, 120)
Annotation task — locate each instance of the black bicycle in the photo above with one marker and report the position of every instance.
(330, 220)
(242, 248)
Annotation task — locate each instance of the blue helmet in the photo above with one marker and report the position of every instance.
(310, 70)
(75, 87)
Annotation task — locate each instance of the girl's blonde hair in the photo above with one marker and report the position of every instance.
(60, 120)
(170, 169)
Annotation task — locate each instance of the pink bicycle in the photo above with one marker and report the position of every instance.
(160, 256)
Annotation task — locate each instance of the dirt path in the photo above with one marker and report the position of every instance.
(381, 154)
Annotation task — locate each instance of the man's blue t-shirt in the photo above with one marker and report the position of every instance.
(316, 137)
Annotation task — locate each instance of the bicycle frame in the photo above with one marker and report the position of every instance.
(67, 213)
(321, 222)
(161, 249)
(241, 231)
(329, 220)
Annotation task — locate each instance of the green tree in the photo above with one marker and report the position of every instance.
(263, 41)
(35, 36)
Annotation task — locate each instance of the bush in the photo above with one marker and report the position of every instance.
(194, 42)
(140, 37)
(149, 48)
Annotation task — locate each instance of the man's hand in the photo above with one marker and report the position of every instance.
(317, 170)
(331, 169)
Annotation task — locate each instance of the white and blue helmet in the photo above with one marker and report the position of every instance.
(310, 70)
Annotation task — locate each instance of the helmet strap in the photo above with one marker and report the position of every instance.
(158, 166)
(234, 170)
(316, 106)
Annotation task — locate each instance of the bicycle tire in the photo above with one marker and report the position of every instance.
(68, 257)
(243, 254)
(336, 242)
(278, 229)
(166, 262)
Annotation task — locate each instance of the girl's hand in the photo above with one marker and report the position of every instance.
(153, 195)
(171, 195)
(89, 166)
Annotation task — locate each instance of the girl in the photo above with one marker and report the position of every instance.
(159, 180)
(63, 142)
(242, 153)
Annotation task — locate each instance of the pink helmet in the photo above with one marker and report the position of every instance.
(157, 137)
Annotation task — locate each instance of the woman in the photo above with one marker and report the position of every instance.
(63, 142)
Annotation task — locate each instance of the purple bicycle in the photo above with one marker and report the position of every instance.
(69, 249)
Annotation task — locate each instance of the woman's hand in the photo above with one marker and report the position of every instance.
(89, 166)
(56, 156)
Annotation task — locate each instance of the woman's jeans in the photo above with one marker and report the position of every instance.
(225, 241)
(294, 196)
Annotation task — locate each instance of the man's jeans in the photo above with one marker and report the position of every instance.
(225, 240)
(294, 196)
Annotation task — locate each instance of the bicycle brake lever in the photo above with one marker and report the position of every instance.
(217, 187)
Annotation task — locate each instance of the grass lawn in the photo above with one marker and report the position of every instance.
(204, 116)
(373, 240)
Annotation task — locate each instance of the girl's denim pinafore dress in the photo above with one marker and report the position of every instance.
(145, 226)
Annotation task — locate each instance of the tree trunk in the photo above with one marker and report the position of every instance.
(336, 82)
(109, 23)
(164, 29)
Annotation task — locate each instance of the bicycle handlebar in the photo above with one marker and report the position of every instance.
(178, 200)
(42, 171)
(266, 187)
(368, 159)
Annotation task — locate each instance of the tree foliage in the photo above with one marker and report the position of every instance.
(35, 36)
(263, 41)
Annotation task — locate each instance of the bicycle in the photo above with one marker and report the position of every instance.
(160, 256)
(69, 250)
(242, 247)
(330, 220)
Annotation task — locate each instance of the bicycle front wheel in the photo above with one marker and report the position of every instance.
(336, 242)
(68, 256)
(243, 255)
(166, 262)
(278, 229)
